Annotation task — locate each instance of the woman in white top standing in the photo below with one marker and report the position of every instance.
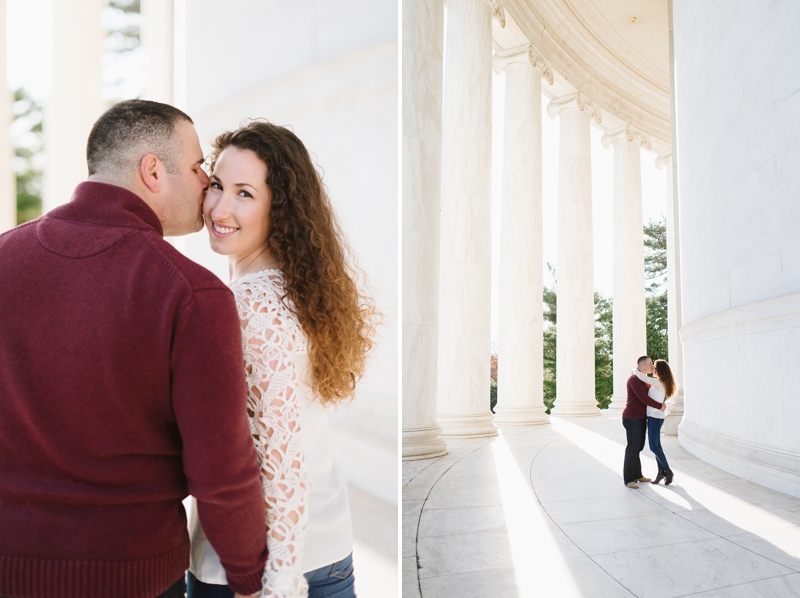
(662, 388)
(306, 331)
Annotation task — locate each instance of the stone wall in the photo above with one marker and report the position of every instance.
(738, 157)
(330, 71)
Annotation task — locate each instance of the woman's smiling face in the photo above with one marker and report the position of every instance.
(236, 206)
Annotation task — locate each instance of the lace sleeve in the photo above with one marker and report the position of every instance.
(268, 342)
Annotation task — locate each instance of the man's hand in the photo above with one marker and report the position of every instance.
(663, 407)
(241, 596)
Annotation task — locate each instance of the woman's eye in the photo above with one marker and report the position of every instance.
(245, 194)
(215, 185)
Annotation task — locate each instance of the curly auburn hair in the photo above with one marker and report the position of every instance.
(665, 375)
(320, 279)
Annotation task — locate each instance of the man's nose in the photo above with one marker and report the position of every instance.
(204, 180)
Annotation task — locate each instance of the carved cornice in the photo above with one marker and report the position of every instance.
(576, 101)
(663, 160)
(521, 55)
(626, 132)
(498, 11)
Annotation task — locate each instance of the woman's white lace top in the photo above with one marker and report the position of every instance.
(308, 520)
(657, 392)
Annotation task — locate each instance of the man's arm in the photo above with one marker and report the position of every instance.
(639, 391)
(210, 401)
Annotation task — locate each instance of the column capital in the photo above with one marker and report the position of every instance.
(576, 101)
(521, 55)
(498, 11)
(663, 160)
(626, 132)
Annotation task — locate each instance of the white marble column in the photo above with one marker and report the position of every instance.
(520, 368)
(630, 324)
(76, 100)
(8, 187)
(465, 265)
(575, 269)
(158, 39)
(671, 422)
(423, 32)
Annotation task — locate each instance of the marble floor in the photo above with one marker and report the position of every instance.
(541, 511)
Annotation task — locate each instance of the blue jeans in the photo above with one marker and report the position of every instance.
(654, 433)
(331, 581)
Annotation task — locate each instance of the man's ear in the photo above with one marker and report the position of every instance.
(151, 170)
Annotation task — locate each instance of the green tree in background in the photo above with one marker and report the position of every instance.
(603, 351)
(549, 349)
(655, 265)
(655, 268)
(27, 139)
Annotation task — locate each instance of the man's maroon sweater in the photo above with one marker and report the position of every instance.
(638, 401)
(121, 391)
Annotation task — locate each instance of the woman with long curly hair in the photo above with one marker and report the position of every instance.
(662, 389)
(306, 331)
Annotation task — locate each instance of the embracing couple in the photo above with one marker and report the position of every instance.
(131, 377)
(644, 413)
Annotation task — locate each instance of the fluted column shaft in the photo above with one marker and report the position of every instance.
(629, 317)
(158, 40)
(465, 266)
(575, 270)
(76, 100)
(520, 368)
(423, 31)
(8, 190)
(675, 416)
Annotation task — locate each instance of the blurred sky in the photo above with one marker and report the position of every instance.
(29, 27)
(29, 37)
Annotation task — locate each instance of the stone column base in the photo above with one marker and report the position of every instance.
(423, 443)
(575, 410)
(671, 423)
(467, 426)
(521, 416)
(618, 403)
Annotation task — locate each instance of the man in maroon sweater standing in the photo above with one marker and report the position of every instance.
(634, 418)
(121, 381)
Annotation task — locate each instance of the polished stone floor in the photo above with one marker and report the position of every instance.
(541, 511)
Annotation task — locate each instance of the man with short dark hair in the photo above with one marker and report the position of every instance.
(634, 419)
(122, 387)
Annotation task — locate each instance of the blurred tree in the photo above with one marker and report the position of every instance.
(655, 268)
(549, 349)
(493, 380)
(655, 254)
(603, 350)
(123, 65)
(27, 139)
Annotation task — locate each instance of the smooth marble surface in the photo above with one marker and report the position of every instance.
(519, 396)
(542, 511)
(737, 117)
(423, 37)
(465, 245)
(575, 304)
(629, 330)
(76, 99)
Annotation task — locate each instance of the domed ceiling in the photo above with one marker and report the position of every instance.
(616, 52)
